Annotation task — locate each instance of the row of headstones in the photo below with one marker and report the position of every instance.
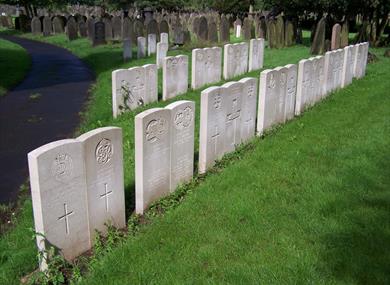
(228, 118)
(77, 188)
(137, 86)
(77, 185)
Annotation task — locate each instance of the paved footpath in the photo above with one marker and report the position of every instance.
(43, 108)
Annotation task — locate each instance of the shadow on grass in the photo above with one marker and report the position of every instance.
(358, 250)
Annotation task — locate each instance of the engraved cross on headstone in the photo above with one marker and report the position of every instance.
(233, 116)
(66, 218)
(105, 195)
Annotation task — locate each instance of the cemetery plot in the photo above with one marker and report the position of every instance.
(206, 66)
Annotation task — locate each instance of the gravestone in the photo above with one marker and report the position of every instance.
(224, 30)
(164, 38)
(212, 127)
(127, 49)
(195, 25)
(59, 197)
(141, 47)
(71, 29)
(202, 30)
(279, 32)
(232, 92)
(347, 67)
(248, 108)
(235, 60)
(175, 76)
(247, 29)
(182, 142)
(206, 66)
(99, 36)
(336, 30)
(103, 157)
(178, 36)
(47, 26)
(261, 29)
(329, 74)
(164, 27)
(305, 85)
(151, 44)
(36, 26)
(237, 28)
(116, 28)
(133, 87)
(271, 100)
(58, 25)
(90, 28)
(108, 29)
(162, 50)
(127, 29)
(212, 32)
(256, 54)
(152, 28)
(152, 156)
(272, 34)
(83, 29)
(138, 28)
(291, 91)
(289, 35)
(344, 35)
(318, 77)
(318, 44)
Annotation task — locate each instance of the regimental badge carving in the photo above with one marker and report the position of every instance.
(283, 78)
(183, 118)
(272, 81)
(62, 167)
(104, 151)
(155, 129)
(217, 101)
(199, 55)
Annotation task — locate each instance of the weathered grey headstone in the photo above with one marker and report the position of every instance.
(162, 50)
(103, 157)
(175, 76)
(108, 29)
(138, 29)
(336, 30)
(289, 35)
(178, 36)
(212, 127)
(116, 28)
(235, 60)
(202, 29)
(152, 156)
(127, 49)
(224, 30)
(182, 142)
(247, 29)
(99, 36)
(83, 29)
(36, 26)
(318, 44)
(58, 25)
(212, 32)
(59, 196)
(127, 29)
(248, 108)
(344, 35)
(141, 47)
(152, 42)
(47, 26)
(279, 32)
(256, 54)
(164, 27)
(152, 28)
(289, 106)
(133, 87)
(71, 29)
(272, 34)
(90, 28)
(206, 66)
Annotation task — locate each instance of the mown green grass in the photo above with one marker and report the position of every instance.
(14, 64)
(281, 214)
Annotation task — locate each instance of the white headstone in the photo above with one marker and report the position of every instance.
(289, 107)
(59, 196)
(328, 73)
(162, 50)
(164, 38)
(212, 127)
(152, 41)
(206, 66)
(317, 78)
(152, 156)
(102, 149)
(182, 142)
(235, 60)
(238, 31)
(304, 85)
(248, 109)
(133, 87)
(232, 93)
(175, 76)
(141, 47)
(347, 67)
(256, 54)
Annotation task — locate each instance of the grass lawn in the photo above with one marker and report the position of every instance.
(307, 204)
(14, 64)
